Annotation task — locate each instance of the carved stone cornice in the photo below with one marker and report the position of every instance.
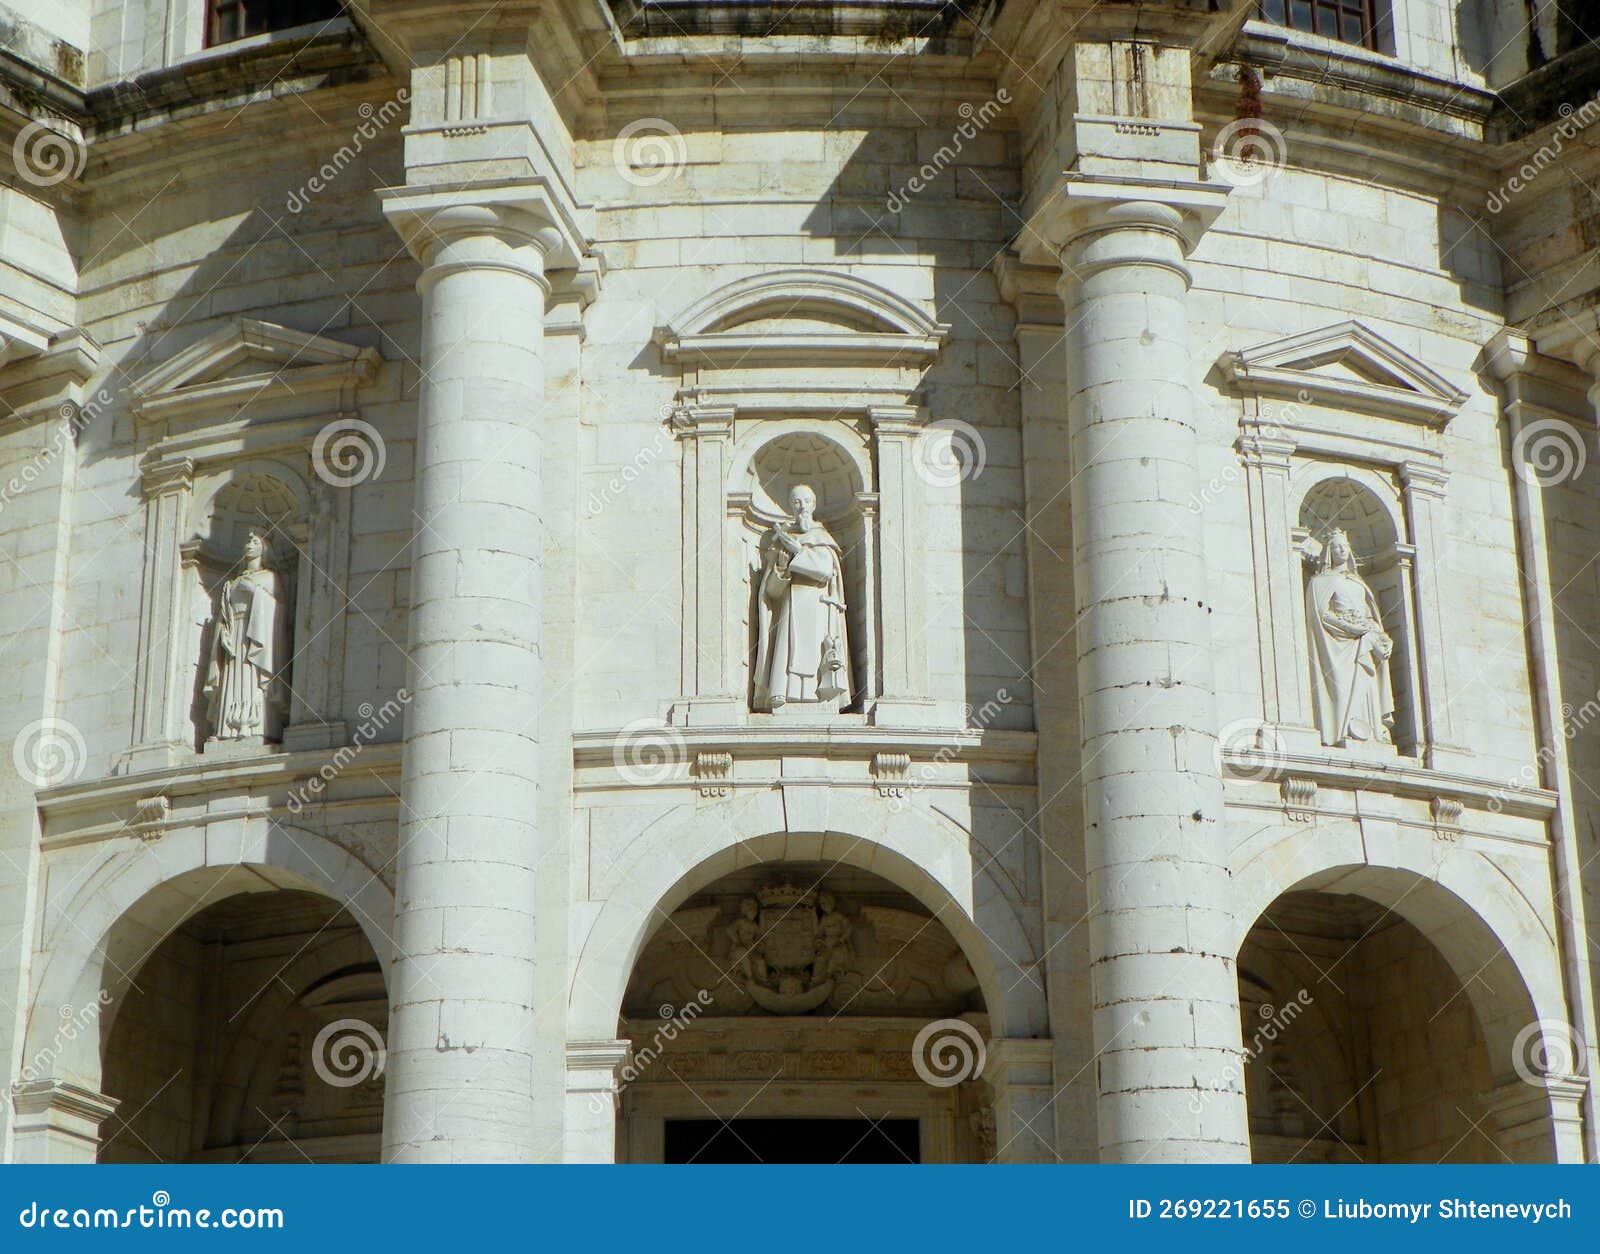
(285, 369)
(713, 332)
(32, 1098)
(1380, 378)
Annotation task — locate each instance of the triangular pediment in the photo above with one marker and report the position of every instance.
(1346, 365)
(248, 362)
(802, 317)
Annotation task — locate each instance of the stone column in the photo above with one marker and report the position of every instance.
(1166, 1011)
(462, 1027)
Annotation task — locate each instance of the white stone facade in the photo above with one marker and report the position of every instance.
(513, 328)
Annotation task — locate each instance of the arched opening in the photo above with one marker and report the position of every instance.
(253, 1032)
(1365, 1043)
(803, 1012)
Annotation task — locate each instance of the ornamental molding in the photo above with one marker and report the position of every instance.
(801, 317)
(254, 363)
(1345, 366)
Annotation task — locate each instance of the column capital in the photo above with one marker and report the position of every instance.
(1524, 1106)
(891, 421)
(595, 1066)
(1424, 479)
(1020, 1060)
(57, 1121)
(1089, 204)
(158, 478)
(1573, 337)
(697, 421)
(516, 225)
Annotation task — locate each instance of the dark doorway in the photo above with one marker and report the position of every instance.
(793, 1141)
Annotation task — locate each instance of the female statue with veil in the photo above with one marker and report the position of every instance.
(247, 648)
(1349, 652)
(802, 650)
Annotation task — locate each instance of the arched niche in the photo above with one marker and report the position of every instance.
(766, 473)
(268, 501)
(197, 516)
(1359, 507)
(814, 363)
(248, 402)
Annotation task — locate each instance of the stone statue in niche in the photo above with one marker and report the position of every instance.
(1349, 652)
(802, 650)
(249, 646)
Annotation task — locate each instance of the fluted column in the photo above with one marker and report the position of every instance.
(1166, 1014)
(460, 1063)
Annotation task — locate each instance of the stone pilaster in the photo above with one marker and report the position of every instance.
(462, 986)
(1540, 1122)
(1020, 1073)
(57, 1122)
(593, 1068)
(1534, 389)
(158, 736)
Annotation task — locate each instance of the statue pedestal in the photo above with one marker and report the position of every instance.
(237, 749)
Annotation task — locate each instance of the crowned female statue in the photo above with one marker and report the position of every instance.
(248, 646)
(1349, 652)
(802, 649)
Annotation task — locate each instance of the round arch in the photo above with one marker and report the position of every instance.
(98, 939)
(648, 889)
(1488, 933)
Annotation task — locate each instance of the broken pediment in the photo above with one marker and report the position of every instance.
(1345, 366)
(249, 364)
(802, 317)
